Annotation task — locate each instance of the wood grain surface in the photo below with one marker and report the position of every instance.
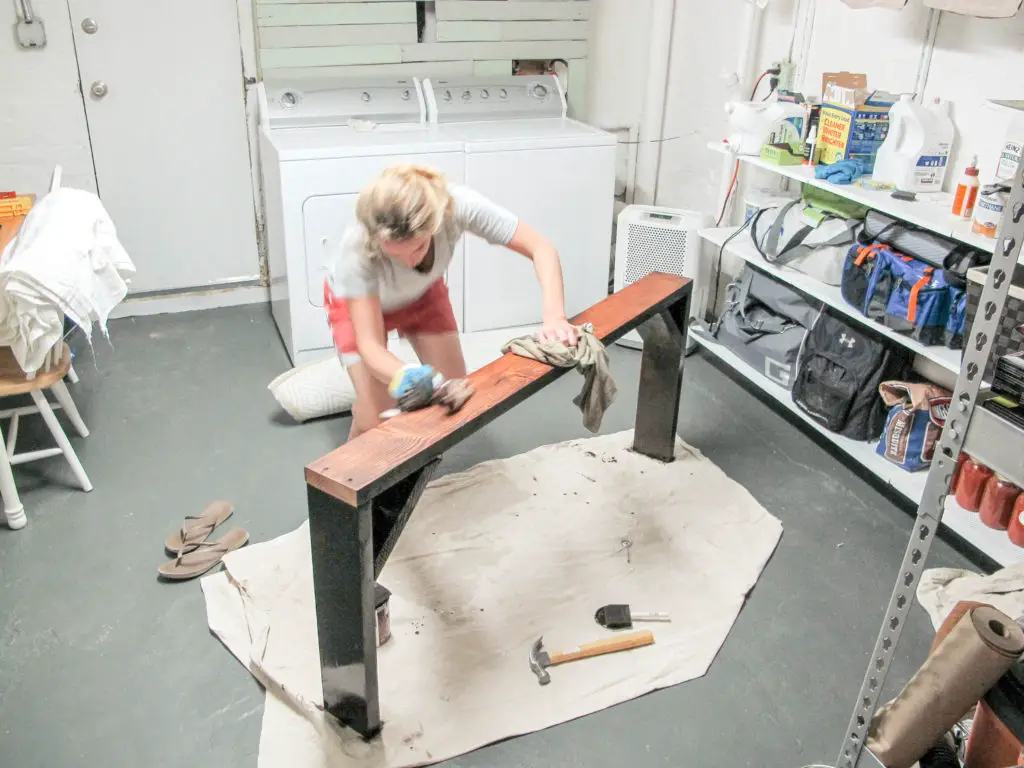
(359, 470)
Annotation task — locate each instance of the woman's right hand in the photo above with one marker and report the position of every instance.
(413, 386)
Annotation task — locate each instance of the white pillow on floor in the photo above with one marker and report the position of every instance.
(323, 387)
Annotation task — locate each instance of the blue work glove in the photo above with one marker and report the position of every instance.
(843, 172)
(413, 386)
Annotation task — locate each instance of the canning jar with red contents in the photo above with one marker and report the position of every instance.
(971, 485)
(1016, 529)
(962, 459)
(997, 500)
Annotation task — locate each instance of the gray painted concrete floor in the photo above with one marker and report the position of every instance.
(102, 665)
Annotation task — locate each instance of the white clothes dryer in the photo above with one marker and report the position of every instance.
(555, 173)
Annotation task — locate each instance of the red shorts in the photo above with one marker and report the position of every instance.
(430, 313)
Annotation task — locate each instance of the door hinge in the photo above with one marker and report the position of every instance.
(250, 80)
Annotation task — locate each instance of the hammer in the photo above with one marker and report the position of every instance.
(540, 659)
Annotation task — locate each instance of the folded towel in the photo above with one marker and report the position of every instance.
(589, 357)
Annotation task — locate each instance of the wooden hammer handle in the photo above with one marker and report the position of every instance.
(610, 645)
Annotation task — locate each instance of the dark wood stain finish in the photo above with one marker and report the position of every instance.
(361, 469)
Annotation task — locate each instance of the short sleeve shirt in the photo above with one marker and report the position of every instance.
(395, 284)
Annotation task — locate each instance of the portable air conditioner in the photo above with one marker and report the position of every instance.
(651, 239)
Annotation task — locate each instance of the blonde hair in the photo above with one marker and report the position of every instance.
(403, 202)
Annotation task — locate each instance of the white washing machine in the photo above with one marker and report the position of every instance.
(321, 142)
(555, 173)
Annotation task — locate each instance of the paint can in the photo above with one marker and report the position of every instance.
(988, 212)
(381, 603)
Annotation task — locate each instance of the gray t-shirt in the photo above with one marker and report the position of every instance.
(396, 285)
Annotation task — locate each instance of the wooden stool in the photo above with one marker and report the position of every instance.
(14, 381)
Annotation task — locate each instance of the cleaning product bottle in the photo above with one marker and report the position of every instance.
(915, 152)
(967, 191)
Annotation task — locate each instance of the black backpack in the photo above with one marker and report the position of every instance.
(837, 378)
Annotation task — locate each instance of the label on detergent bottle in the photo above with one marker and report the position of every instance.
(930, 170)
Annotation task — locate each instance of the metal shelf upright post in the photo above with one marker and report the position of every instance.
(977, 350)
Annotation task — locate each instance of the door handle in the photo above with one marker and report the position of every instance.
(99, 89)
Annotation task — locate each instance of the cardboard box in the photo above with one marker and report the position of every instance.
(854, 121)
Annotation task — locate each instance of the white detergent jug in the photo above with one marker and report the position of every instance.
(916, 150)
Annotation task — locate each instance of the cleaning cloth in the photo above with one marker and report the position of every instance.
(843, 172)
(589, 357)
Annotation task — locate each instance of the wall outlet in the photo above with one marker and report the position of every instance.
(787, 75)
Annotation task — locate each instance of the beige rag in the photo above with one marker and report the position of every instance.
(589, 357)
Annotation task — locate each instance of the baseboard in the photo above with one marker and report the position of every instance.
(192, 301)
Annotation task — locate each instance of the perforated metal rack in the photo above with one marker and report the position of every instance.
(961, 426)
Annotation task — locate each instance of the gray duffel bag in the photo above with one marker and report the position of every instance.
(764, 323)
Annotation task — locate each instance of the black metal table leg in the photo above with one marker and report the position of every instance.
(341, 542)
(661, 381)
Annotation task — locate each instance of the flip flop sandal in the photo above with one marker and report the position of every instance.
(197, 528)
(205, 555)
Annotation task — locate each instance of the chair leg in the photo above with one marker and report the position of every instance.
(62, 440)
(72, 376)
(60, 390)
(13, 509)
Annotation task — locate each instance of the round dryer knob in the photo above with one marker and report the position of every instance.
(406, 94)
(466, 95)
(539, 91)
(366, 96)
(502, 94)
(485, 94)
(289, 99)
(447, 95)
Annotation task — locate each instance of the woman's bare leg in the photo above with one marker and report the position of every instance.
(372, 399)
(442, 351)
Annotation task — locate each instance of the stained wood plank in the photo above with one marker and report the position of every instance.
(362, 468)
(468, 31)
(311, 14)
(274, 58)
(336, 34)
(552, 49)
(544, 30)
(420, 69)
(519, 10)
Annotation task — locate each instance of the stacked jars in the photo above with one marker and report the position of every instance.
(998, 502)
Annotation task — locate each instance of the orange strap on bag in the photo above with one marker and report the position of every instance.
(869, 252)
(916, 291)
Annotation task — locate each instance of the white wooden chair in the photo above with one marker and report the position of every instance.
(15, 381)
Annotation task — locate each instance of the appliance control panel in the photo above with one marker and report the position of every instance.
(452, 100)
(327, 102)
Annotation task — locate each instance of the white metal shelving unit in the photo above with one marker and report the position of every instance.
(985, 435)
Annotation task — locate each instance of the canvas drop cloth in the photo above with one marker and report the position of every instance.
(492, 558)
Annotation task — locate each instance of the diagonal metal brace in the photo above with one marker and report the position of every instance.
(392, 510)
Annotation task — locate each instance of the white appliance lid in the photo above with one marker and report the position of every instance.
(493, 98)
(529, 134)
(291, 103)
(338, 142)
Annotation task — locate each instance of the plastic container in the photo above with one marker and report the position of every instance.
(967, 192)
(971, 485)
(988, 213)
(915, 153)
(997, 500)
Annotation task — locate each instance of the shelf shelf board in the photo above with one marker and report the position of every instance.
(930, 210)
(910, 485)
(743, 247)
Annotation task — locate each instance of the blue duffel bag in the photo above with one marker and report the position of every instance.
(918, 300)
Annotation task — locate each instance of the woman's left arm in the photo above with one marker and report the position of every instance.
(534, 246)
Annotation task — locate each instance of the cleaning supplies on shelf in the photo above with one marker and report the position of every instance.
(754, 124)
(988, 212)
(842, 172)
(967, 192)
(854, 121)
(915, 154)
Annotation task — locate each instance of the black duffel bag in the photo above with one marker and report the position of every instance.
(838, 373)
